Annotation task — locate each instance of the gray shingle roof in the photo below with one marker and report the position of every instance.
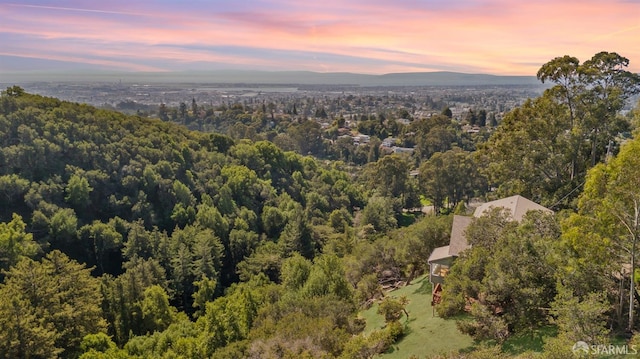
(517, 206)
(439, 253)
(458, 241)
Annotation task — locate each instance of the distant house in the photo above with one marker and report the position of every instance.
(402, 150)
(442, 258)
(360, 138)
(388, 142)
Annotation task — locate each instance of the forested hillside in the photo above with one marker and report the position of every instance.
(130, 237)
(190, 237)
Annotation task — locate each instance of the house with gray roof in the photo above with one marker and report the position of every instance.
(442, 258)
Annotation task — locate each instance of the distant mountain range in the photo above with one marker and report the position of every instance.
(273, 77)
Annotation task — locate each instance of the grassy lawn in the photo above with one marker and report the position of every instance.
(427, 334)
(430, 335)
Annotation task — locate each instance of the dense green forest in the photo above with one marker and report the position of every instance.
(130, 237)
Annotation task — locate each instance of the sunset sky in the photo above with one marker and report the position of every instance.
(502, 37)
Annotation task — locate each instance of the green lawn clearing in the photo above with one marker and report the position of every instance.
(427, 334)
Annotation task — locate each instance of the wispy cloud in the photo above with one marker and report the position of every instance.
(73, 9)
